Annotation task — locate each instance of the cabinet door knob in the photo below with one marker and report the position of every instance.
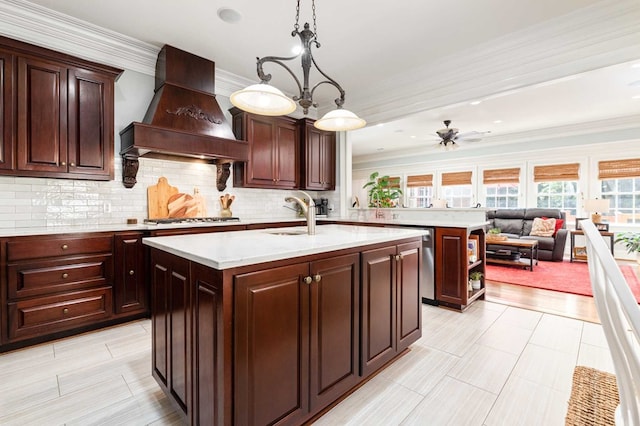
(64, 247)
(65, 275)
(398, 257)
(65, 311)
(307, 280)
(63, 163)
(73, 164)
(318, 277)
(131, 272)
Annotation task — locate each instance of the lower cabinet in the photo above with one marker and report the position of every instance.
(391, 320)
(304, 308)
(255, 346)
(130, 285)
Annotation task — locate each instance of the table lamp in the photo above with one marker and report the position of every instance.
(596, 206)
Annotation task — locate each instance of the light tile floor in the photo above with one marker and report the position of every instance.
(492, 365)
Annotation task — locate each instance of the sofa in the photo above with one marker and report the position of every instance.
(517, 223)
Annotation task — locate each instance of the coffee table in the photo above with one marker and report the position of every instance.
(530, 245)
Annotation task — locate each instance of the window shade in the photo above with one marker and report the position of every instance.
(556, 172)
(619, 169)
(501, 176)
(457, 178)
(419, 180)
(394, 182)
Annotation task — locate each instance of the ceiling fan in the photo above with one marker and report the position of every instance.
(449, 136)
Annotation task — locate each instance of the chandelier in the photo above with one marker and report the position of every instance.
(265, 99)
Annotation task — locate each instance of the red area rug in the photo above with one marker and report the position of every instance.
(565, 276)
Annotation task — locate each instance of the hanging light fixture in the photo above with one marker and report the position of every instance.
(265, 99)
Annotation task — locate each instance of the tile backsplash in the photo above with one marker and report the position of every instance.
(28, 202)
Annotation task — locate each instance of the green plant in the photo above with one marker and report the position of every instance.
(381, 191)
(476, 275)
(494, 231)
(631, 241)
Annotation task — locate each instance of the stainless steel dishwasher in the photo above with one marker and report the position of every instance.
(427, 278)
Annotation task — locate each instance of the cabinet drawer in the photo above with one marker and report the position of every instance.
(34, 248)
(45, 315)
(48, 277)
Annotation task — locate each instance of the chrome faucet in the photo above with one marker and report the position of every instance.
(309, 211)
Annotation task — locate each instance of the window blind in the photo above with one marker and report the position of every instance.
(419, 180)
(619, 169)
(394, 182)
(556, 172)
(511, 175)
(456, 178)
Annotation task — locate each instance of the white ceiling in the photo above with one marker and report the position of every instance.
(369, 45)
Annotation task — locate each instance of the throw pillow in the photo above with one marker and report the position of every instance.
(543, 227)
(559, 223)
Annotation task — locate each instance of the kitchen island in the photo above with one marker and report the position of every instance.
(273, 325)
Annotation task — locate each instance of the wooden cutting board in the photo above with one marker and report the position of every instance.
(158, 198)
(182, 205)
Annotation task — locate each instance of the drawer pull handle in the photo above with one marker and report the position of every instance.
(131, 272)
(318, 277)
(65, 311)
(307, 280)
(65, 275)
(64, 247)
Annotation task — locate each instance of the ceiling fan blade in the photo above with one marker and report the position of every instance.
(471, 135)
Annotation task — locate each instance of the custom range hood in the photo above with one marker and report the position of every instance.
(183, 121)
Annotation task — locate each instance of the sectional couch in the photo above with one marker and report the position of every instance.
(517, 223)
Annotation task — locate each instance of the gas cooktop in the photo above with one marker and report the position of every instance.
(191, 220)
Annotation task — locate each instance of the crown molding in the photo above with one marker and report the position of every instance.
(603, 34)
(35, 24)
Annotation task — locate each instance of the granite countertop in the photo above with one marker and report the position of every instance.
(239, 248)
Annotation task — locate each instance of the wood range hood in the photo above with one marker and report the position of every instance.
(183, 121)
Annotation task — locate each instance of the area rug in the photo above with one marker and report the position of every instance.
(594, 398)
(567, 277)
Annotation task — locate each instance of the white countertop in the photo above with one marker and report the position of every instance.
(225, 250)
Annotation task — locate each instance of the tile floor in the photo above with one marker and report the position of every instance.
(492, 365)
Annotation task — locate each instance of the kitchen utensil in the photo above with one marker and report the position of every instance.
(157, 198)
(182, 205)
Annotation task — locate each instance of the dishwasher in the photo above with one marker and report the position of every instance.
(427, 278)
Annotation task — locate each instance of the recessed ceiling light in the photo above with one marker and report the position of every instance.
(635, 97)
(497, 122)
(475, 103)
(636, 65)
(380, 124)
(413, 136)
(228, 15)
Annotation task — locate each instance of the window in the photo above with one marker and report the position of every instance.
(620, 184)
(419, 190)
(501, 187)
(457, 189)
(557, 187)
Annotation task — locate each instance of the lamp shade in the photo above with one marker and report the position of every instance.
(338, 120)
(596, 205)
(263, 99)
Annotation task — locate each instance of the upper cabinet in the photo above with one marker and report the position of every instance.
(62, 125)
(274, 149)
(284, 153)
(318, 157)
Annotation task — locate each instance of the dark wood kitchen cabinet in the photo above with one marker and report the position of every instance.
(452, 266)
(56, 284)
(391, 320)
(63, 116)
(6, 111)
(312, 311)
(130, 289)
(318, 165)
(272, 343)
(274, 150)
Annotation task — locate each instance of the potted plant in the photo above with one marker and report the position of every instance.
(631, 242)
(493, 234)
(381, 191)
(475, 278)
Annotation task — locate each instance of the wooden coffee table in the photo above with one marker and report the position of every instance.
(531, 245)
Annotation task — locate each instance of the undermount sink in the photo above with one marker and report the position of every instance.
(297, 232)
